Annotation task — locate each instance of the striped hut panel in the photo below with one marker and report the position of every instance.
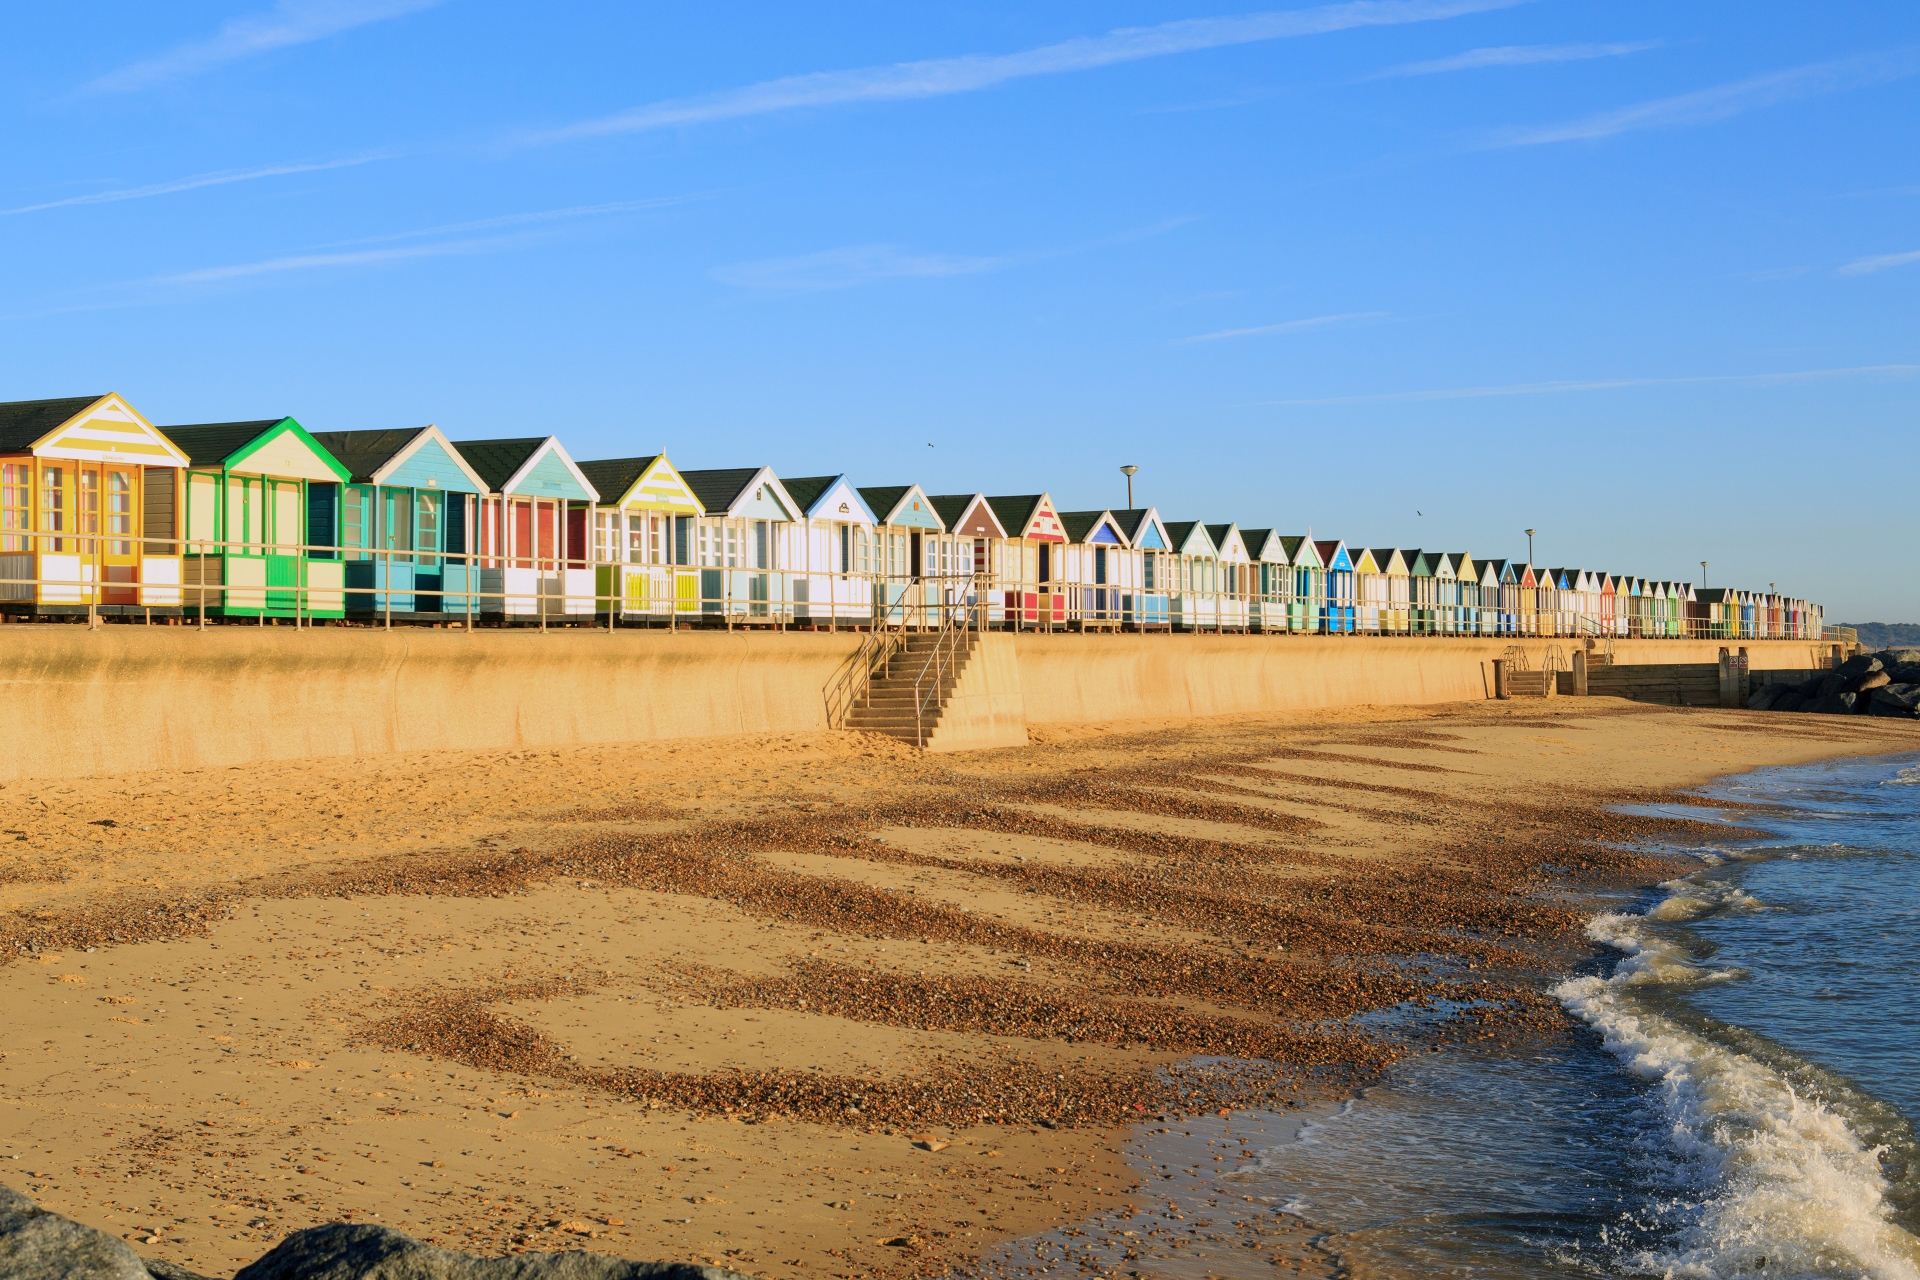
(661, 488)
(109, 430)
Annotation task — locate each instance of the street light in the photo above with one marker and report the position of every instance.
(1128, 471)
(1703, 575)
(1530, 534)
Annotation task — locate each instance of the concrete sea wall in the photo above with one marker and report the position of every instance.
(126, 698)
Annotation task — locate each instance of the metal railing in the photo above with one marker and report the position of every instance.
(950, 649)
(206, 580)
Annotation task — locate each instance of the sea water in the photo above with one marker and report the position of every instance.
(1739, 1102)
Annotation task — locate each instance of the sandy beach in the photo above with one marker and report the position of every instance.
(807, 1005)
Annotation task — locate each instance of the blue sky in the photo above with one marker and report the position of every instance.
(1415, 272)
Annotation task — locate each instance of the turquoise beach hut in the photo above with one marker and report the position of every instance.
(407, 511)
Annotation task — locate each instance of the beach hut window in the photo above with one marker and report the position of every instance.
(1148, 563)
(760, 559)
(120, 512)
(353, 522)
(1100, 566)
(428, 517)
(53, 506)
(87, 507)
(846, 548)
(16, 504)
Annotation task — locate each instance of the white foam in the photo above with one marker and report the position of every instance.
(1905, 778)
(1785, 1188)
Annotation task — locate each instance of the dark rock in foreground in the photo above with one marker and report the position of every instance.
(38, 1245)
(1879, 684)
(347, 1251)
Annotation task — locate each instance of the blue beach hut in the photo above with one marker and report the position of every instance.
(407, 512)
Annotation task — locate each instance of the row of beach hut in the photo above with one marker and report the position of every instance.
(103, 514)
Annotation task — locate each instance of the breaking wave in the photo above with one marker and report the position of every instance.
(1777, 1182)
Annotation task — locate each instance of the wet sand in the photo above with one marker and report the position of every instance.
(801, 1006)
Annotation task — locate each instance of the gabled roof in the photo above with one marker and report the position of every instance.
(372, 456)
(85, 428)
(234, 444)
(1138, 523)
(1028, 516)
(807, 490)
(969, 514)
(901, 504)
(1081, 526)
(1226, 537)
(1330, 551)
(503, 464)
(1301, 550)
(1190, 538)
(1264, 545)
(720, 491)
(209, 444)
(650, 482)
(24, 422)
(814, 492)
(1386, 557)
(614, 478)
(1422, 564)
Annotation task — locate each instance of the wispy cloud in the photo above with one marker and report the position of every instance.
(868, 263)
(527, 219)
(1867, 266)
(943, 76)
(288, 23)
(1723, 102)
(1610, 384)
(856, 264)
(197, 181)
(358, 258)
(1514, 55)
(318, 261)
(1288, 326)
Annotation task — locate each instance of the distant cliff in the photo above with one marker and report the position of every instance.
(1886, 635)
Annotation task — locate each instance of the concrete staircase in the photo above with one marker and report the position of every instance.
(889, 706)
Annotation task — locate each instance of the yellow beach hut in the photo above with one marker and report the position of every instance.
(88, 499)
(644, 504)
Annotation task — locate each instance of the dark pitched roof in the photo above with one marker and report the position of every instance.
(24, 421)
(884, 498)
(1218, 532)
(1382, 556)
(807, 490)
(496, 460)
(1014, 511)
(1291, 544)
(1079, 524)
(612, 477)
(365, 452)
(1256, 540)
(1130, 521)
(1178, 531)
(953, 508)
(718, 489)
(208, 444)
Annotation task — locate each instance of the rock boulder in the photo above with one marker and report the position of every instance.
(356, 1251)
(38, 1245)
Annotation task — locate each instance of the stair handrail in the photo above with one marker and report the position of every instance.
(852, 684)
(945, 658)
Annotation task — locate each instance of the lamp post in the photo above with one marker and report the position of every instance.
(1530, 534)
(1703, 574)
(1128, 471)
